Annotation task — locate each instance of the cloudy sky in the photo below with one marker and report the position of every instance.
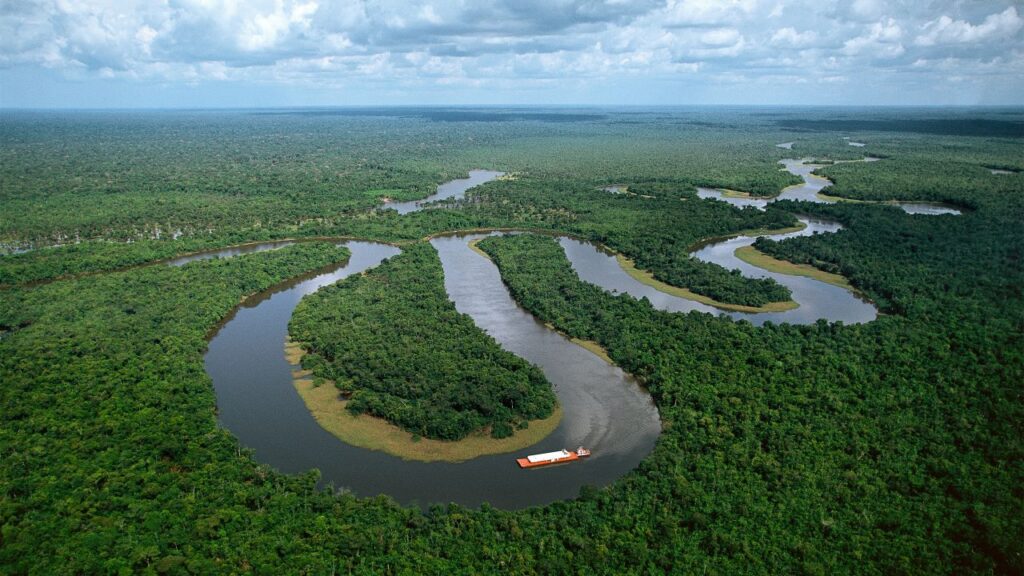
(197, 53)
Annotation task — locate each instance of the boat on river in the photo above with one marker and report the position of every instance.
(556, 457)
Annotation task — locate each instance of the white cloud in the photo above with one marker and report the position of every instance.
(264, 30)
(144, 36)
(495, 43)
(881, 41)
(790, 37)
(868, 9)
(945, 30)
(428, 14)
(720, 37)
(703, 12)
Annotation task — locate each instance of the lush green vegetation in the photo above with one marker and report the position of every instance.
(395, 346)
(109, 444)
(949, 126)
(885, 447)
(919, 177)
(224, 177)
(107, 175)
(89, 257)
(891, 447)
(646, 230)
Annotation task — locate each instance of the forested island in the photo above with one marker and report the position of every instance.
(396, 348)
(892, 446)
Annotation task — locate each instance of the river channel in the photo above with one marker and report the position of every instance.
(810, 191)
(604, 408)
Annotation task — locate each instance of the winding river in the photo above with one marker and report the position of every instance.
(604, 408)
(817, 299)
(452, 190)
(810, 191)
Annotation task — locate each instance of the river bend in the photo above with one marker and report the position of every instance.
(604, 408)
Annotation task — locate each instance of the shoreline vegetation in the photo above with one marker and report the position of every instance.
(329, 409)
(892, 446)
(755, 257)
(588, 345)
(730, 193)
(628, 265)
(645, 277)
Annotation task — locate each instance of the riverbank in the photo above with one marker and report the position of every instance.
(645, 277)
(755, 257)
(648, 278)
(592, 347)
(588, 345)
(365, 431)
(730, 193)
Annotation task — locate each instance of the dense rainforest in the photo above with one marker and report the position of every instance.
(396, 348)
(893, 440)
(302, 175)
(889, 447)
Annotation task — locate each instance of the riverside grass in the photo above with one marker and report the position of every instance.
(328, 409)
(645, 277)
(755, 257)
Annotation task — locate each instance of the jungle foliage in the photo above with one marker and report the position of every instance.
(649, 231)
(396, 348)
(177, 182)
(885, 446)
(890, 447)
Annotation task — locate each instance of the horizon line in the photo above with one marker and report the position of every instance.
(506, 106)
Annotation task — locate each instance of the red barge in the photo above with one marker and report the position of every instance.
(552, 457)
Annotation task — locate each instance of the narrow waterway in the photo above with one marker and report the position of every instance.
(817, 300)
(229, 252)
(453, 190)
(810, 191)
